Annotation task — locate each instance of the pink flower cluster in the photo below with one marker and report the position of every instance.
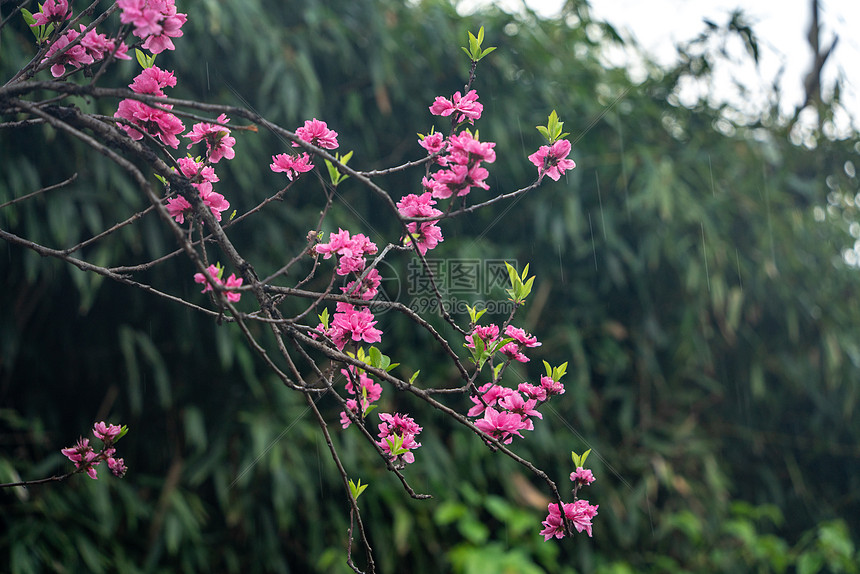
(351, 250)
(466, 107)
(579, 512)
(367, 393)
(202, 177)
(551, 160)
(219, 142)
(156, 122)
(291, 165)
(424, 235)
(86, 459)
(504, 411)
(461, 162)
(351, 324)
(459, 158)
(315, 132)
(154, 20)
(92, 48)
(53, 12)
(404, 430)
(513, 350)
(215, 274)
(364, 288)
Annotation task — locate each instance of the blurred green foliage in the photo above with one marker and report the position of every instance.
(690, 269)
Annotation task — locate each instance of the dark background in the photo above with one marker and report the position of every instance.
(690, 270)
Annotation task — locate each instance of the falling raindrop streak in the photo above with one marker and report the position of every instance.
(600, 200)
(593, 247)
(711, 170)
(769, 225)
(560, 266)
(522, 141)
(705, 257)
(623, 164)
(738, 260)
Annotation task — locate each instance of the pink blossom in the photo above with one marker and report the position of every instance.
(155, 122)
(465, 149)
(215, 201)
(170, 28)
(117, 466)
(490, 394)
(521, 337)
(582, 476)
(353, 324)
(53, 12)
(521, 341)
(366, 289)
(487, 333)
(512, 351)
(501, 425)
(233, 282)
(435, 188)
(83, 456)
(178, 207)
(350, 249)
(219, 142)
(451, 181)
(401, 426)
(424, 236)
(466, 106)
(215, 273)
(152, 81)
(579, 512)
(97, 45)
(76, 56)
(417, 206)
(316, 132)
(550, 160)
(552, 387)
(106, 432)
(291, 165)
(433, 143)
(197, 171)
(344, 418)
(533, 391)
(341, 243)
(202, 176)
(514, 403)
(368, 393)
(155, 20)
(145, 17)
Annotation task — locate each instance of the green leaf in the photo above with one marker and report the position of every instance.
(323, 317)
(414, 376)
(496, 370)
(356, 489)
(375, 356)
(334, 173)
(145, 61)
